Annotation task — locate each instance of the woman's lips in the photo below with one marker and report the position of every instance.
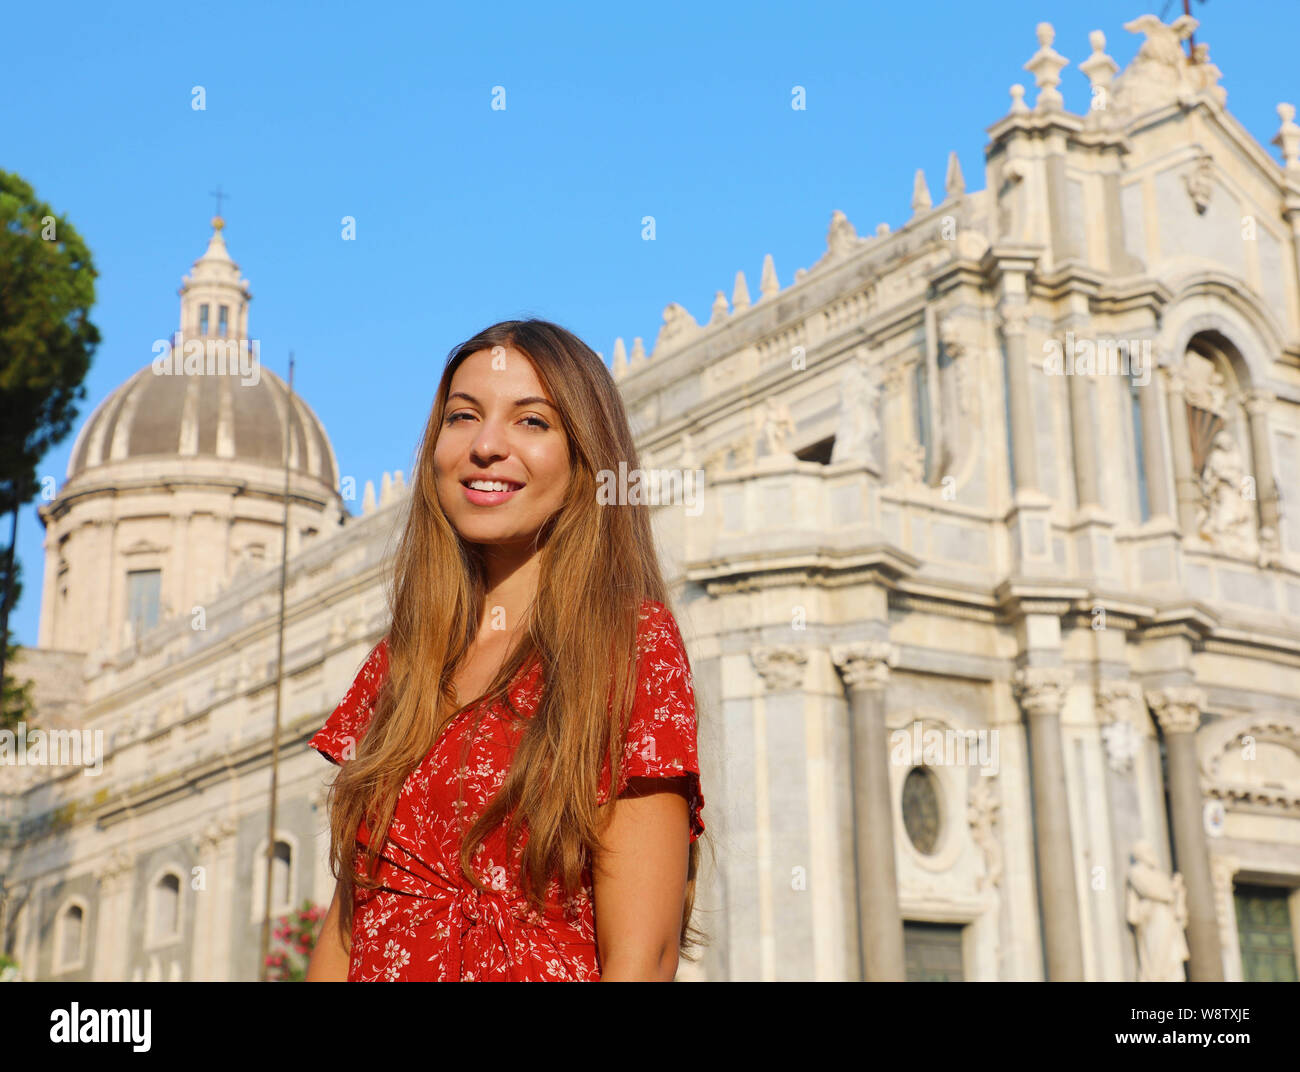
(490, 498)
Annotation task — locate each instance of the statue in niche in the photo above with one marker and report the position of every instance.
(1157, 911)
(774, 424)
(859, 422)
(1226, 518)
(1205, 385)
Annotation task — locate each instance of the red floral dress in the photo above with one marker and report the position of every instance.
(426, 921)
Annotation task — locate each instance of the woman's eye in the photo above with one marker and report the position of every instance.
(539, 423)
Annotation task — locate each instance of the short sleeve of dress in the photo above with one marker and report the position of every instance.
(337, 739)
(661, 734)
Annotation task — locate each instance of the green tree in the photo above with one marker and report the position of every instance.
(15, 698)
(47, 287)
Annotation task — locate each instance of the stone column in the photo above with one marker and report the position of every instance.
(1041, 694)
(1153, 449)
(1178, 710)
(115, 875)
(781, 723)
(865, 667)
(1024, 438)
(1086, 483)
(209, 960)
(1186, 488)
(1258, 403)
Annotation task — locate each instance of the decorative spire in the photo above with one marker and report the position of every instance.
(720, 308)
(1018, 105)
(1288, 137)
(954, 183)
(768, 286)
(740, 295)
(638, 355)
(1045, 65)
(620, 358)
(1100, 69)
(920, 193)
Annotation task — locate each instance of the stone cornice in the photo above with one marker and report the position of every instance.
(878, 562)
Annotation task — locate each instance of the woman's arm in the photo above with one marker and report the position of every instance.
(639, 881)
(329, 960)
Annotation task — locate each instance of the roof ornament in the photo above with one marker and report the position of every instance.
(1100, 69)
(768, 286)
(920, 193)
(1288, 137)
(740, 294)
(1045, 65)
(954, 183)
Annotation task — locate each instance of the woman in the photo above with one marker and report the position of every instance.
(531, 664)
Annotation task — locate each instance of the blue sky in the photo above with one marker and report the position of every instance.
(468, 215)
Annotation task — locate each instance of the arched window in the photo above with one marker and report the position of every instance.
(280, 867)
(71, 937)
(166, 908)
(284, 887)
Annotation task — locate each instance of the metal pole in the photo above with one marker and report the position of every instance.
(279, 679)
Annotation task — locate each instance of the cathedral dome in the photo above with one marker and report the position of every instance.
(208, 395)
(207, 415)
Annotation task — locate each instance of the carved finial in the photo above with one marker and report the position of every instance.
(620, 358)
(386, 489)
(1100, 69)
(920, 193)
(740, 295)
(1288, 137)
(1018, 104)
(638, 354)
(720, 308)
(1045, 65)
(882, 229)
(841, 236)
(368, 498)
(954, 183)
(768, 286)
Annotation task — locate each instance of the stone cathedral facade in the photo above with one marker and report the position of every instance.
(992, 590)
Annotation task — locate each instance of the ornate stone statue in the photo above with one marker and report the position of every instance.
(1226, 517)
(774, 424)
(859, 422)
(1157, 911)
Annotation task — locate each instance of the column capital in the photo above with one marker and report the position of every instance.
(1114, 698)
(1040, 690)
(781, 666)
(114, 867)
(215, 833)
(865, 664)
(1258, 400)
(1014, 318)
(1177, 709)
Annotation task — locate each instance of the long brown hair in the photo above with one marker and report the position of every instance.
(597, 566)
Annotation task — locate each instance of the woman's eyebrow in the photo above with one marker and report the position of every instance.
(532, 400)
